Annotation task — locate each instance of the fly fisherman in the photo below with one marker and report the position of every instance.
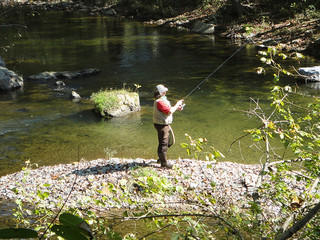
(162, 118)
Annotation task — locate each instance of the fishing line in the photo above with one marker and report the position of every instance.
(66, 200)
(202, 82)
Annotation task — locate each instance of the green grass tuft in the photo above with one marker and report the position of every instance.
(106, 100)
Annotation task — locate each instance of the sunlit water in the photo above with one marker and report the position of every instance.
(42, 124)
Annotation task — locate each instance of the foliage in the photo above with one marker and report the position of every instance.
(197, 149)
(72, 227)
(298, 132)
(10, 233)
(151, 9)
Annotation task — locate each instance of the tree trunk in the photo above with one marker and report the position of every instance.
(237, 7)
(300, 224)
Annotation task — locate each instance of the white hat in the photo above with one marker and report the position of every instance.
(161, 89)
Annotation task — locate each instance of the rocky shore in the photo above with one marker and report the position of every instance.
(87, 180)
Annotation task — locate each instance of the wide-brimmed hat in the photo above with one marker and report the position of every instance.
(161, 89)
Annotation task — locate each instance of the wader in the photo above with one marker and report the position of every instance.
(165, 140)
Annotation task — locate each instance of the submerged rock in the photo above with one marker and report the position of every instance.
(64, 74)
(9, 80)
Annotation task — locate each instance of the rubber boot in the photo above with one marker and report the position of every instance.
(163, 161)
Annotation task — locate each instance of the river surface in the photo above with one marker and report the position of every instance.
(41, 124)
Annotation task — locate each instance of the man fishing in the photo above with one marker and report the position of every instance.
(162, 118)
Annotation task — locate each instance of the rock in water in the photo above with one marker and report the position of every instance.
(203, 28)
(115, 103)
(64, 74)
(311, 73)
(74, 95)
(9, 80)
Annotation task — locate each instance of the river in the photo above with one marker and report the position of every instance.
(41, 124)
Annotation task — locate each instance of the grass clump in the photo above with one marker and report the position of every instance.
(107, 100)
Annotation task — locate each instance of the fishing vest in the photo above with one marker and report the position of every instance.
(160, 117)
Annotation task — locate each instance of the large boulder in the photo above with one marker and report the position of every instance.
(310, 73)
(115, 103)
(108, 12)
(127, 103)
(9, 80)
(64, 74)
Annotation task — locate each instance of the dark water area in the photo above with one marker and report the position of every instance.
(41, 123)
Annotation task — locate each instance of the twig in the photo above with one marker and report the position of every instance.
(66, 200)
(236, 231)
(290, 161)
(239, 138)
(158, 230)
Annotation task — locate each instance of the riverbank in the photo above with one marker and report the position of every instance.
(49, 186)
(294, 34)
(100, 185)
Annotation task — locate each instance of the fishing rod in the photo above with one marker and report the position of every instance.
(202, 82)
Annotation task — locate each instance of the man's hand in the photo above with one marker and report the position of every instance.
(180, 105)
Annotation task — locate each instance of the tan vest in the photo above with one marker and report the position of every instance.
(160, 117)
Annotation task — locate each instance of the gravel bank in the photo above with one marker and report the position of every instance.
(232, 182)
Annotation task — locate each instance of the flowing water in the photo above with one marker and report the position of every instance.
(42, 124)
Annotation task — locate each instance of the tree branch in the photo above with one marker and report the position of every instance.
(236, 231)
(300, 224)
(289, 219)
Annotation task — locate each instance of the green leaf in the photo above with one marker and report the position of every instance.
(10, 233)
(70, 219)
(74, 222)
(184, 145)
(284, 56)
(68, 232)
(188, 152)
(199, 148)
(180, 189)
(175, 236)
(125, 214)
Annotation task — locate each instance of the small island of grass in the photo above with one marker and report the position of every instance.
(115, 103)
